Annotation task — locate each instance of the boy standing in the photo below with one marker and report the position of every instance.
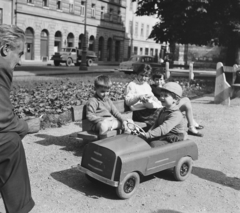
(100, 110)
(169, 126)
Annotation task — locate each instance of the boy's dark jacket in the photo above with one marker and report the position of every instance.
(168, 121)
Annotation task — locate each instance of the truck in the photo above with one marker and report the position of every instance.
(72, 55)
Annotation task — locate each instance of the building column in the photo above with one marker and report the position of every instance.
(37, 44)
(64, 37)
(51, 44)
(76, 38)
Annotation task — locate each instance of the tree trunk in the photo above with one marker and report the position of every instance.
(233, 54)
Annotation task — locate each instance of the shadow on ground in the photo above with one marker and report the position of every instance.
(217, 177)
(165, 174)
(207, 174)
(77, 181)
(68, 142)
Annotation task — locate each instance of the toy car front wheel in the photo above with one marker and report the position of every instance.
(128, 186)
(69, 62)
(183, 168)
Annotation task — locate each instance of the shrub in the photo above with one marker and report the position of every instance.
(55, 98)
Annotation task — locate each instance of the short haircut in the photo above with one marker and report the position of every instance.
(158, 73)
(11, 34)
(143, 68)
(102, 81)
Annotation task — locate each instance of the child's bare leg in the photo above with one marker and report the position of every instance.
(108, 125)
(186, 106)
(116, 124)
(103, 127)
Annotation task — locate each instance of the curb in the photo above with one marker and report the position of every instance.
(48, 73)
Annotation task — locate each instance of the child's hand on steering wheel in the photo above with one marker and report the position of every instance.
(142, 135)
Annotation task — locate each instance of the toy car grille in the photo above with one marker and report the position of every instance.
(99, 160)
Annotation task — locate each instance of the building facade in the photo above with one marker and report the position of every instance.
(138, 29)
(5, 12)
(114, 32)
(54, 24)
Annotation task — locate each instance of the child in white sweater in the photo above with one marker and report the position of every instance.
(137, 95)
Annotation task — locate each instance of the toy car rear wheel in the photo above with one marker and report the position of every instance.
(183, 168)
(69, 62)
(56, 63)
(89, 62)
(128, 186)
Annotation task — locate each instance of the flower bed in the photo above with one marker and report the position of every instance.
(54, 99)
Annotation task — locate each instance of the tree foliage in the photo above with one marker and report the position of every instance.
(194, 21)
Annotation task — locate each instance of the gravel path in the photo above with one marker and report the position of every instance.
(213, 187)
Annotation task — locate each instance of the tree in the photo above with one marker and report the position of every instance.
(199, 22)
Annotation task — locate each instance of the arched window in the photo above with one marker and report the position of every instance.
(29, 45)
(57, 41)
(109, 49)
(91, 43)
(80, 41)
(70, 40)
(117, 50)
(44, 43)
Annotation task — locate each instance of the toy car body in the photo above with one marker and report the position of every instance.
(120, 161)
(71, 55)
(128, 66)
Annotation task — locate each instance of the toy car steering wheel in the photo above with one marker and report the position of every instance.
(135, 129)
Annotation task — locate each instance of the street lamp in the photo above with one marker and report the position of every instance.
(83, 64)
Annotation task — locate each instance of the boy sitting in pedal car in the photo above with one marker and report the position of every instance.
(169, 125)
(100, 110)
(184, 105)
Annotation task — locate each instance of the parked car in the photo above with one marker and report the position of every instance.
(122, 160)
(70, 55)
(128, 66)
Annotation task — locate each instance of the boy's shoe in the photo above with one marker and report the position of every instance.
(199, 127)
(198, 134)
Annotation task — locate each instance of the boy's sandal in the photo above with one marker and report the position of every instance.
(199, 127)
(198, 134)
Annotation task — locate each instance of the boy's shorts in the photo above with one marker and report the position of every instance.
(109, 124)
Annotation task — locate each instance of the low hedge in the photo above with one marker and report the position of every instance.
(55, 99)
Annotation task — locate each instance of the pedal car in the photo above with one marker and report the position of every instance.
(120, 161)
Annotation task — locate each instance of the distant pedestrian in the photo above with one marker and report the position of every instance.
(14, 179)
